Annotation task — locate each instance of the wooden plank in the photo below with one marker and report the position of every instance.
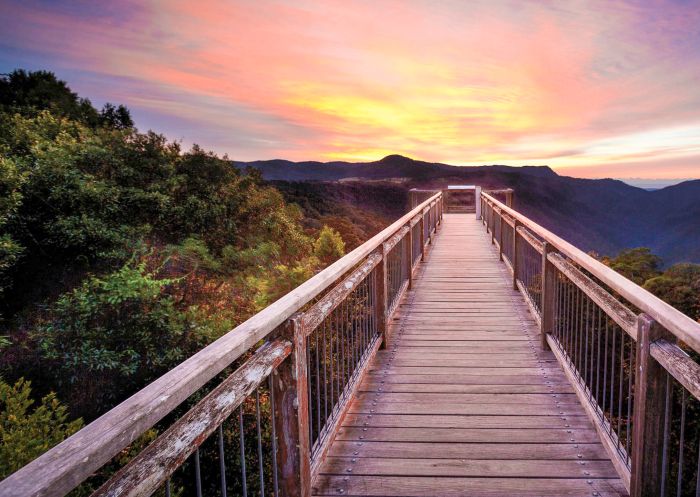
(466, 435)
(544, 468)
(496, 409)
(681, 366)
(474, 487)
(457, 421)
(483, 451)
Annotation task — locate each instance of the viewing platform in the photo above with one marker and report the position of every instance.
(463, 351)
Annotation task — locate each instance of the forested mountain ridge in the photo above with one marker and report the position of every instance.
(600, 215)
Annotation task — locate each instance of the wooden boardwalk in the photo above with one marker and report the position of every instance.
(463, 401)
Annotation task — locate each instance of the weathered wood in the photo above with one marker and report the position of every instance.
(422, 238)
(380, 307)
(416, 486)
(682, 326)
(464, 380)
(548, 303)
(292, 420)
(408, 255)
(72, 461)
(322, 309)
(609, 304)
(648, 434)
(146, 472)
(681, 366)
(530, 238)
(515, 262)
(500, 237)
(473, 468)
(471, 451)
(394, 240)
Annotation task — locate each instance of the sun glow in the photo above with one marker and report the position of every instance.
(595, 88)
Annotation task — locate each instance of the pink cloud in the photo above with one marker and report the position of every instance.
(461, 82)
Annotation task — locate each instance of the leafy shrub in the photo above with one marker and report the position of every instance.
(26, 433)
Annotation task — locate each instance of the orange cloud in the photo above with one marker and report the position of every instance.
(463, 82)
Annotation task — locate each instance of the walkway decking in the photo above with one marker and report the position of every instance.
(463, 401)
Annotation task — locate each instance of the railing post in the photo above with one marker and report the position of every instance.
(422, 236)
(515, 262)
(649, 408)
(547, 298)
(493, 225)
(408, 255)
(291, 416)
(500, 237)
(381, 307)
(509, 198)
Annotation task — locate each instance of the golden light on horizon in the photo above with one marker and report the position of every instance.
(590, 88)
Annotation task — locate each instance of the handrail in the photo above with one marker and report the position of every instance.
(71, 462)
(667, 316)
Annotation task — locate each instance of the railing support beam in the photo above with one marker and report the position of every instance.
(649, 404)
(291, 416)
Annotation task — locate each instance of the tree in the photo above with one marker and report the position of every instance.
(637, 264)
(679, 285)
(116, 117)
(30, 92)
(329, 245)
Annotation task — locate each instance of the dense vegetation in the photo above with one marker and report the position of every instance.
(120, 256)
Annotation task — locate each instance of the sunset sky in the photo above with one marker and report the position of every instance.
(593, 89)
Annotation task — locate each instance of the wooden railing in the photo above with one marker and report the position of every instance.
(632, 358)
(265, 426)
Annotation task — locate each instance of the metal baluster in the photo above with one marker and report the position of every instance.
(697, 474)
(197, 473)
(318, 384)
(619, 399)
(597, 380)
(612, 381)
(681, 443)
(222, 461)
(325, 372)
(241, 438)
(273, 408)
(584, 318)
(261, 466)
(632, 368)
(309, 389)
(667, 424)
(605, 369)
(167, 487)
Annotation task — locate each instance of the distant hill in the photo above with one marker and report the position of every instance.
(601, 215)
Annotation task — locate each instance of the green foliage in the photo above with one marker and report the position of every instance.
(637, 264)
(679, 285)
(329, 245)
(26, 433)
(28, 92)
(113, 333)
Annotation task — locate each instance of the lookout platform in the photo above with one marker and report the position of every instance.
(465, 350)
(463, 401)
